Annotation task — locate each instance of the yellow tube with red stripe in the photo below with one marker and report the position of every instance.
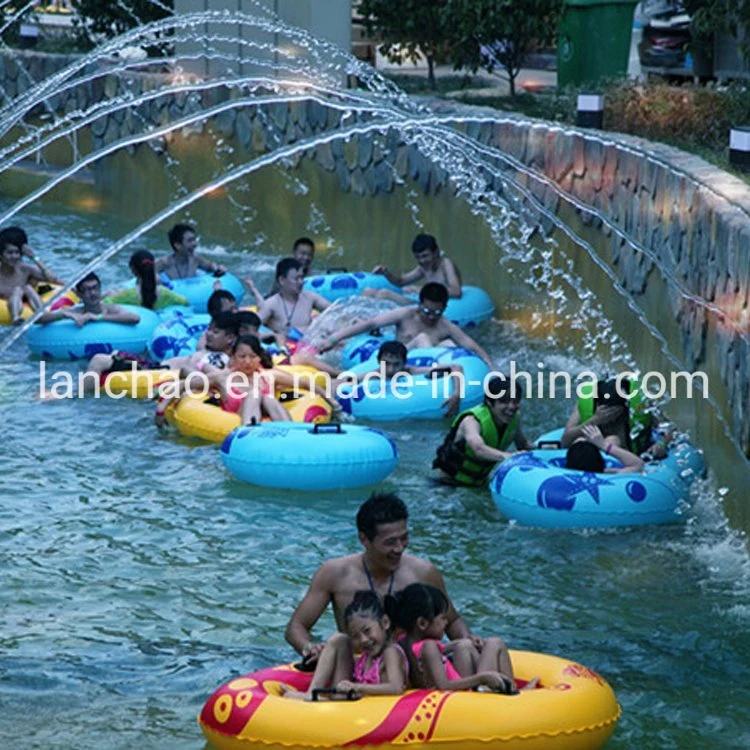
(46, 292)
(573, 708)
(194, 417)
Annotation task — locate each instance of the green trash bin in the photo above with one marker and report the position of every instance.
(594, 40)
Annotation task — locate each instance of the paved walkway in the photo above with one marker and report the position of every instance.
(529, 79)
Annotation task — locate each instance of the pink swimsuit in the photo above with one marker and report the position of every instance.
(371, 676)
(232, 401)
(364, 675)
(450, 670)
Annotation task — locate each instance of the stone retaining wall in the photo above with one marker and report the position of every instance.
(691, 219)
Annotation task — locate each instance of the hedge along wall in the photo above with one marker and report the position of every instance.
(674, 230)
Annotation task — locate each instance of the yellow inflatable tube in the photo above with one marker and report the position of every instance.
(194, 417)
(26, 312)
(573, 708)
(139, 383)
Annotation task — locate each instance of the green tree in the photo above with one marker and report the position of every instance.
(97, 18)
(409, 28)
(500, 32)
(730, 16)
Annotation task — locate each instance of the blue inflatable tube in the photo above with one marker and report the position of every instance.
(177, 335)
(363, 348)
(199, 288)
(333, 286)
(535, 489)
(63, 339)
(471, 308)
(415, 396)
(299, 456)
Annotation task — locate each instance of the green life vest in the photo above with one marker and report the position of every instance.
(459, 461)
(640, 418)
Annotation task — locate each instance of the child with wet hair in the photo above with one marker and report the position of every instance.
(420, 610)
(380, 667)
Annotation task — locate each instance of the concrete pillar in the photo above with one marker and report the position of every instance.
(326, 19)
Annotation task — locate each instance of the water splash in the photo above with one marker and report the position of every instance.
(523, 228)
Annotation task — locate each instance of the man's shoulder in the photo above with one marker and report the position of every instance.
(419, 567)
(445, 261)
(337, 564)
(336, 569)
(271, 302)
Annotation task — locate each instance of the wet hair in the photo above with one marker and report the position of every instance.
(424, 242)
(88, 277)
(13, 236)
(394, 348)
(246, 318)
(142, 265)
(254, 343)
(303, 241)
(584, 456)
(434, 292)
(404, 608)
(214, 305)
(177, 233)
(365, 604)
(380, 508)
(285, 265)
(498, 388)
(607, 395)
(225, 321)
(417, 600)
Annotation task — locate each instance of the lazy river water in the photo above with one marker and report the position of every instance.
(138, 576)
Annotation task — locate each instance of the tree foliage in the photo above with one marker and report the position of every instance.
(409, 28)
(469, 34)
(109, 18)
(492, 33)
(728, 16)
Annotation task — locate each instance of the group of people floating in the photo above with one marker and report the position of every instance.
(478, 438)
(392, 609)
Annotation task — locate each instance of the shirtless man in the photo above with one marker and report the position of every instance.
(91, 309)
(289, 312)
(17, 279)
(184, 261)
(383, 567)
(303, 251)
(431, 267)
(420, 325)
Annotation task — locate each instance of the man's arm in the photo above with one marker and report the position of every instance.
(473, 437)
(521, 441)
(452, 278)
(115, 314)
(52, 315)
(266, 311)
(456, 627)
(299, 629)
(399, 280)
(319, 303)
(385, 319)
(208, 265)
(39, 272)
(464, 340)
